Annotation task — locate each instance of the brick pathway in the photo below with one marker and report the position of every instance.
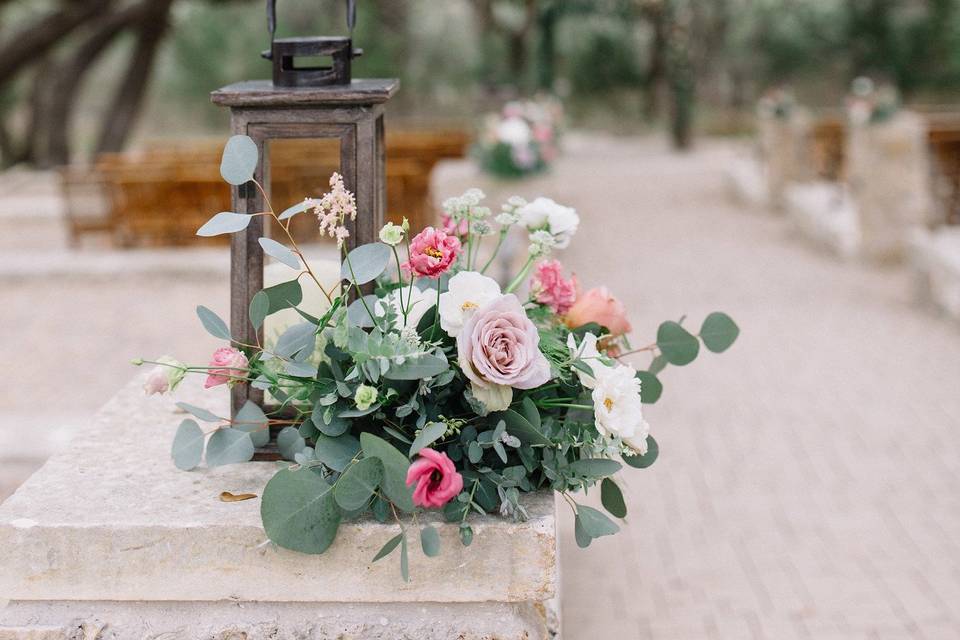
(807, 486)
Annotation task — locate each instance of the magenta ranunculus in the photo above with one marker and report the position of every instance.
(227, 365)
(436, 477)
(598, 305)
(549, 287)
(432, 252)
(499, 345)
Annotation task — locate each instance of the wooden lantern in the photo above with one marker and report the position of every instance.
(351, 113)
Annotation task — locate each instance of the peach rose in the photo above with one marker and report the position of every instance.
(598, 305)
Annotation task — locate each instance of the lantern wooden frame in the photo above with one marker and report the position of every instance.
(353, 114)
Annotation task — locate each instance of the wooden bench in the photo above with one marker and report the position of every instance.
(160, 195)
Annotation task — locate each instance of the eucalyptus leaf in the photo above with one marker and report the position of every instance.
(366, 262)
(395, 466)
(594, 467)
(290, 442)
(229, 446)
(391, 544)
(582, 537)
(404, 561)
(259, 309)
(332, 427)
(284, 296)
(595, 524)
(279, 252)
(239, 161)
(224, 222)
(718, 332)
(658, 364)
(357, 314)
(254, 421)
(300, 207)
(295, 339)
(677, 345)
(650, 387)
(213, 324)
(647, 459)
(337, 452)
(612, 498)
(300, 369)
(358, 483)
(522, 429)
(430, 541)
(187, 450)
(432, 432)
(299, 512)
(200, 412)
(424, 366)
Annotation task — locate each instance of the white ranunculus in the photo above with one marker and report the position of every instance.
(514, 132)
(420, 302)
(618, 409)
(545, 214)
(466, 292)
(588, 352)
(495, 397)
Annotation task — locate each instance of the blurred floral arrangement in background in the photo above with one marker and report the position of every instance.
(522, 139)
(871, 103)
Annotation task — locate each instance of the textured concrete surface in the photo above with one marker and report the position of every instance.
(111, 518)
(935, 261)
(807, 481)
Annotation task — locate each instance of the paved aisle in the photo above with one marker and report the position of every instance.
(808, 481)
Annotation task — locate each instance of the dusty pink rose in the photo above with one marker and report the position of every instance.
(598, 305)
(436, 478)
(499, 345)
(227, 364)
(158, 381)
(549, 287)
(432, 252)
(452, 228)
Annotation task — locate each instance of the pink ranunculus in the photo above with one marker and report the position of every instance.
(158, 381)
(549, 287)
(499, 345)
(598, 305)
(452, 228)
(432, 253)
(227, 365)
(437, 479)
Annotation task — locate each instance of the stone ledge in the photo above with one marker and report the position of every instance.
(111, 518)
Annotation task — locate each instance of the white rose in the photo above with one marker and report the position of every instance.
(617, 407)
(588, 353)
(514, 132)
(466, 292)
(420, 301)
(560, 221)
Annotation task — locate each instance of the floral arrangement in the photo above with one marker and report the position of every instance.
(426, 384)
(520, 140)
(870, 103)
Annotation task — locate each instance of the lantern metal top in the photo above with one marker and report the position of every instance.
(263, 93)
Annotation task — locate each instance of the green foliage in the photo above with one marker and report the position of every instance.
(239, 160)
(284, 296)
(254, 421)
(718, 332)
(299, 511)
(213, 324)
(432, 432)
(229, 446)
(187, 450)
(366, 262)
(612, 498)
(224, 222)
(259, 309)
(358, 483)
(647, 459)
(678, 346)
(430, 541)
(650, 387)
(395, 466)
(279, 252)
(337, 452)
(590, 523)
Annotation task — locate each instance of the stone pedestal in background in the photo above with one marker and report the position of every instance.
(110, 540)
(782, 147)
(889, 180)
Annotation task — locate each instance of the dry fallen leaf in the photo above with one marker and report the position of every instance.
(226, 496)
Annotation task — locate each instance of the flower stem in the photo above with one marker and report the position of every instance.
(436, 315)
(496, 250)
(400, 282)
(520, 276)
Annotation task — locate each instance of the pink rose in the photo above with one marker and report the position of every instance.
(432, 252)
(227, 365)
(597, 305)
(157, 381)
(436, 478)
(454, 229)
(499, 345)
(549, 287)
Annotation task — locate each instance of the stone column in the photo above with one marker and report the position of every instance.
(889, 179)
(110, 540)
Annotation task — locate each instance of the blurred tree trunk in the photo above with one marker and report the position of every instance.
(517, 38)
(654, 13)
(680, 72)
(546, 51)
(121, 116)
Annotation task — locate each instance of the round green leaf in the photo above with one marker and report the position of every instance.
(677, 345)
(229, 446)
(284, 295)
(254, 421)
(337, 452)
(647, 459)
(395, 466)
(357, 484)
(430, 541)
(594, 523)
(612, 498)
(594, 467)
(299, 512)
(224, 222)
(259, 309)
(187, 450)
(290, 442)
(279, 252)
(650, 387)
(239, 160)
(366, 262)
(718, 332)
(430, 433)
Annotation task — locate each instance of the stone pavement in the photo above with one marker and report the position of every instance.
(807, 486)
